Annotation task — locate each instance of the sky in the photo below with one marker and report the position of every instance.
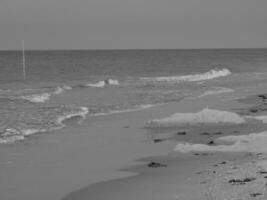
(133, 24)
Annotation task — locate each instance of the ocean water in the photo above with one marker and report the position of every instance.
(61, 85)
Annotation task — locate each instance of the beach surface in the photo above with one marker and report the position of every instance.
(197, 174)
(124, 158)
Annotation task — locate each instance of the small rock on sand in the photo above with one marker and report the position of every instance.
(211, 142)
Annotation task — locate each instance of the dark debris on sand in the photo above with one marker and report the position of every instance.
(235, 180)
(158, 140)
(181, 133)
(241, 181)
(156, 165)
(255, 194)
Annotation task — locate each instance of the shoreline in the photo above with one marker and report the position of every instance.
(56, 164)
(194, 176)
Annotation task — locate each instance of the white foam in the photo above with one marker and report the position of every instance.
(214, 73)
(83, 111)
(15, 134)
(113, 82)
(101, 84)
(255, 143)
(10, 131)
(58, 90)
(205, 116)
(66, 87)
(11, 139)
(137, 108)
(41, 98)
(27, 132)
(37, 98)
(12, 135)
(216, 91)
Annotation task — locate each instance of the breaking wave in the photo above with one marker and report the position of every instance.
(214, 73)
(12, 135)
(205, 116)
(104, 83)
(43, 97)
(82, 112)
(37, 98)
(99, 84)
(45, 121)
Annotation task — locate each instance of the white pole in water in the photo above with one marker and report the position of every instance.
(23, 60)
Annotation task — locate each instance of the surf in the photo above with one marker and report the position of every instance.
(104, 83)
(43, 97)
(49, 119)
(212, 74)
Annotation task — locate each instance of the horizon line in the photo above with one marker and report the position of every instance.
(135, 49)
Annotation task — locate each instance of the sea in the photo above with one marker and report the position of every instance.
(63, 85)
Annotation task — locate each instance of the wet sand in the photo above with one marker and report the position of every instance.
(194, 175)
(182, 178)
(51, 165)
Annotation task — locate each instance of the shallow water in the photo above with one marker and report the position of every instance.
(60, 84)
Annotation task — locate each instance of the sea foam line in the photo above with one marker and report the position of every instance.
(216, 91)
(254, 142)
(205, 116)
(37, 98)
(137, 108)
(214, 73)
(12, 135)
(82, 112)
(41, 98)
(104, 83)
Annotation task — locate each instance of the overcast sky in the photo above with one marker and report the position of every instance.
(127, 24)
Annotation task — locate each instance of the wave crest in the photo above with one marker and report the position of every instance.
(43, 97)
(214, 73)
(104, 83)
(82, 111)
(48, 120)
(37, 98)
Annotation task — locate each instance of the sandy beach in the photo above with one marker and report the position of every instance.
(197, 174)
(133, 100)
(126, 157)
(200, 135)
